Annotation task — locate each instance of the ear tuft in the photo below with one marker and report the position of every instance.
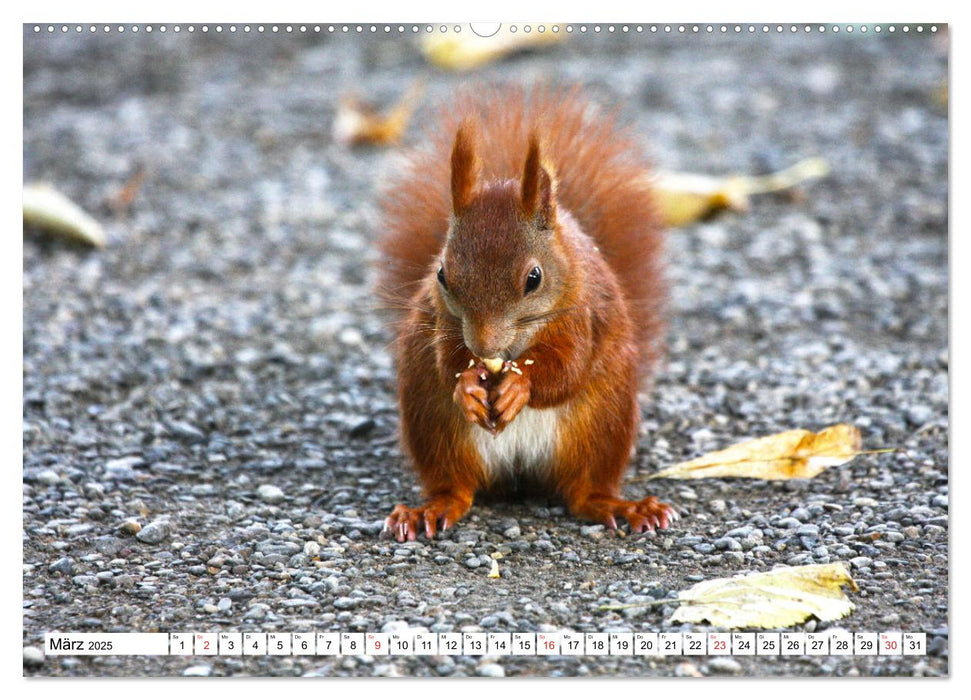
(537, 187)
(465, 166)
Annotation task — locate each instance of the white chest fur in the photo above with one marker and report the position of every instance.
(525, 447)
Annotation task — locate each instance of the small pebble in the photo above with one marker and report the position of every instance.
(48, 477)
(270, 494)
(198, 670)
(686, 669)
(64, 565)
(740, 532)
(33, 656)
(256, 612)
(591, 530)
(124, 464)
(130, 527)
(154, 532)
(109, 546)
(919, 415)
(491, 671)
(362, 428)
(801, 514)
(724, 665)
(187, 432)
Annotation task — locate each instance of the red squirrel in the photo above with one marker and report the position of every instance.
(522, 251)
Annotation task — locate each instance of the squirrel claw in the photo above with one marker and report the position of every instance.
(649, 514)
(405, 524)
(473, 399)
(402, 523)
(646, 515)
(509, 398)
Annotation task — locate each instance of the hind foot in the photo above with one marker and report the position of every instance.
(406, 523)
(642, 516)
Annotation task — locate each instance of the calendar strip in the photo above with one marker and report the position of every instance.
(420, 643)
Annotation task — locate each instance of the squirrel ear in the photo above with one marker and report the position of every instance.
(537, 188)
(465, 166)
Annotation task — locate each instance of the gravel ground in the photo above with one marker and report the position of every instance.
(220, 376)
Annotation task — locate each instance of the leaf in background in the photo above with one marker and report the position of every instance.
(358, 123)
(794, 454)
(466, 50)
(48, 209)
(686, 197)
(779, 598)
(126, 195)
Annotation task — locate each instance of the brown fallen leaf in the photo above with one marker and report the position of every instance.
(465, 50)
(794, 454)
(358, 123)
(126, 195)
(772, 599)
(49, 210)
(687, 197)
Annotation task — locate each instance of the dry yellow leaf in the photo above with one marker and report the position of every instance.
(779, 598)
(48, 209)
(358, 123)
(794, 454)
(466, 50)
(686, 197)
(494, 570)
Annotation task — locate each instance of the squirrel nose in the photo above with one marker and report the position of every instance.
(484, 340)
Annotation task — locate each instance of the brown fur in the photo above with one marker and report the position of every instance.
(600, 173)
(520, 175)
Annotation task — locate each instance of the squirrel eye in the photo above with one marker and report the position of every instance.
(533, 279)
(441, 277)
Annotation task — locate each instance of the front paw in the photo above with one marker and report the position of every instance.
(472, 398)
(509, 396)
